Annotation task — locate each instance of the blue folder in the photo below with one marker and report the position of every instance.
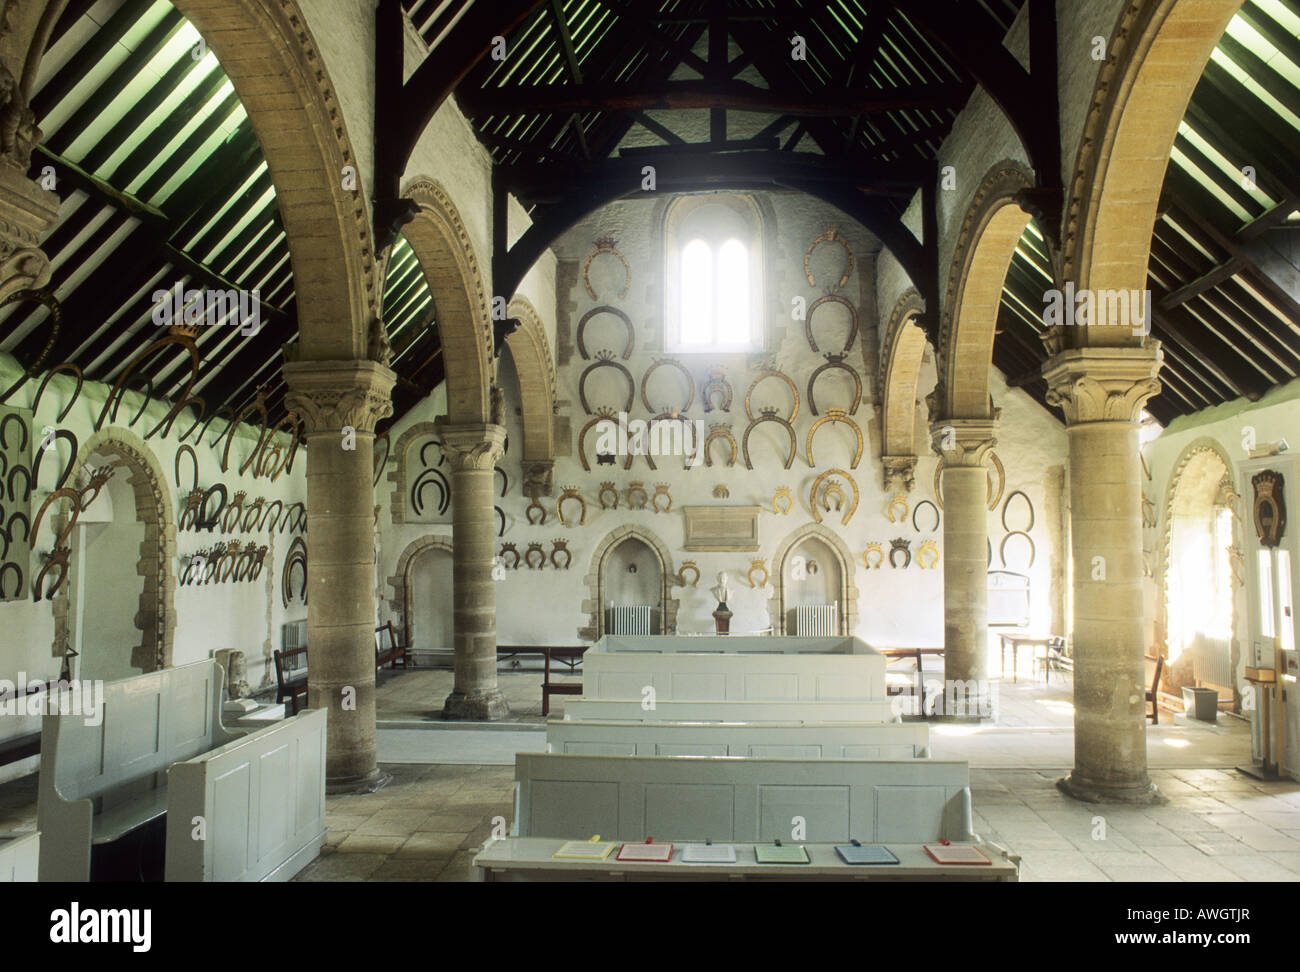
(856, 853)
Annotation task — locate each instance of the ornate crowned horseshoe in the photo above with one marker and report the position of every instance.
(878, 550)
(203, 521)
(898, 500)
(606, 309)
(570, 493)
(769, 415)
(528, 513)
(672, 363)
(561, 546)
(71, 369)
(835, 415)
(58, 558)
(812, 496)
(900, 546)
(720, 431)
(717, 385)
(509, 548)
(782, 493)
(189, 518)
(928, 547)
(757, 567)
(253, 514)
(605, 359)
(681, 572)
(603, 414)
(259, 561)
(661, 489)
(853, 321)
(917, 509)
(535, 548)
(607, 488)
(638, 488)
(231, 516)
(1002, 547)
(666, 417)
(772, 373)
(831, 235)
(835, 361)
(605, 244)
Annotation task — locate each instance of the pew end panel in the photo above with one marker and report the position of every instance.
(19, 857)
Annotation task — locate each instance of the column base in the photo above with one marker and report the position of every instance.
(372, 781)
(1133, 794)
(489, 707)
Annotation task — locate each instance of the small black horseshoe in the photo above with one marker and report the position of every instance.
(917, 508)
(4, 426)
(5, 533)
(421, 482)
(176, 465)
(379, 465)
(907, 556)
(505, 480)
(27, 526)
(441, 458)
(27, 482)
(266, 513)
(67, 468)
(501, 515)
(300, 519)
(18, 588)
(202, 520)
(70, 369)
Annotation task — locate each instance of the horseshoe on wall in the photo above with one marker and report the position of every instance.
(605, 359)
(266, 513)
(165, 423)
(835, 415)
(297, 555)
(1002, 548)
(831, 235)
(720, 432)
(381, 463)
(176, 466)
(224, 409)
(18, 587)
(666, 417)
(717, 384)
(4, 431)
(426, 477)
(47, 299)
(995, 495)
(1028, 503)
(501, 515)
(9, 527)
(772, 373)
(173, 336)
(505, 479)
(603, 414)
(70, 368)
(812, 495)
(441, 458)
(671, 363)
(203, 410)
(203, 521)
(769, 416)
(853, 321)
(606, 245)
(27, 482)
(835, 361)
(605, 309)
(916, 509)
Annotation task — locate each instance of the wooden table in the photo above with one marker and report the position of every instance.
(1016, 642)
(894, 654)
(566, 655)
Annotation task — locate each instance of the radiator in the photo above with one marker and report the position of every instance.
(629, 619)
(816, 620)
(293, 635)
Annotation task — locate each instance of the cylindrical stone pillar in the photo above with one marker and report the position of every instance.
(964, 445)
(1102, 391)
(340, 402)
(473, 451)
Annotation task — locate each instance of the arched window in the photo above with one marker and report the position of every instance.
(713, 264)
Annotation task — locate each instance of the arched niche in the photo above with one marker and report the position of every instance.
(407, 470)
(421, 585)
(621, 547)
(832, 555)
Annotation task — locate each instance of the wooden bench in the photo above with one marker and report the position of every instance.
(1153, 693)
(765, 740)
(391, 653)
(262, 798)
(571, 656)
(100, 783)
(291, 677)
(673, 798)
(635, 710)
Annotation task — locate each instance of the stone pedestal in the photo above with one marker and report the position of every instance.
(964, 444)
(1102, 391)
(722, 621)
(340, 402)
(473, 451)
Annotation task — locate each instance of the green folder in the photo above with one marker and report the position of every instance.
(780, 854)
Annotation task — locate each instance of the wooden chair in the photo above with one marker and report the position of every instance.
(1154, 714)
(291, 677)
(394, 653)
(1053, 658)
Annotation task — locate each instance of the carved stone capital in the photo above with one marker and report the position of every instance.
(539, 477)
(26, 211)
(900, 473)
(1103, 384)
(965, 442)
(472, 446)
(333, 395)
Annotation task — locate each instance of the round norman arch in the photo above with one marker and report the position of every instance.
(848, 589)
(530, 350)
(280, 77)
(401, 581)
(595, 580)
(442, 245)
(1157, 54)
(900, 369)
(986, 242)
(156, 616)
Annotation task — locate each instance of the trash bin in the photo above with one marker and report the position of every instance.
(1201, 703)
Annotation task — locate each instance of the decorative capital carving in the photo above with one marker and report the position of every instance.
(333, 395)
(900, 473)
(965, 442)
(1103, 384)
(472, 446)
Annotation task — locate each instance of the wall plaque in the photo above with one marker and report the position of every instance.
(729, 528)
(1270, 510)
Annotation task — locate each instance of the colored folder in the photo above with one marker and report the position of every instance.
(649, 851)
(946, 853)
(856, 853)
(780, 854)
(587, 850)
(709, 854)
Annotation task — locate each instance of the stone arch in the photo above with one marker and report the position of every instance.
(400, 582)
(397, 502)
(900, 368)
(156, 615)
(595, 580)
(276, 69)
(441, 243)
(986, 242)
(1157, 54)
(848, 589)
(530, 350)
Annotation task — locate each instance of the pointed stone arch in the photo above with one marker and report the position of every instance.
(595, 580)
(986, 242)
(848, 568)
(530, 350)
(442, 246)
(276, 69)
(900, 370)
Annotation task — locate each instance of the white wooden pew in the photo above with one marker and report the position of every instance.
(262, 804)
(737, 799)
(753, 669)
(19, 856)
(635, 710)
(755, 739)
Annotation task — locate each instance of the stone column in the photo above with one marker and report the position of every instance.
(1102, 391)
(964, 444)
(473, 451)
(340, 402)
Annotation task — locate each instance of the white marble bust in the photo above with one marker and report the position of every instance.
(721, 590)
